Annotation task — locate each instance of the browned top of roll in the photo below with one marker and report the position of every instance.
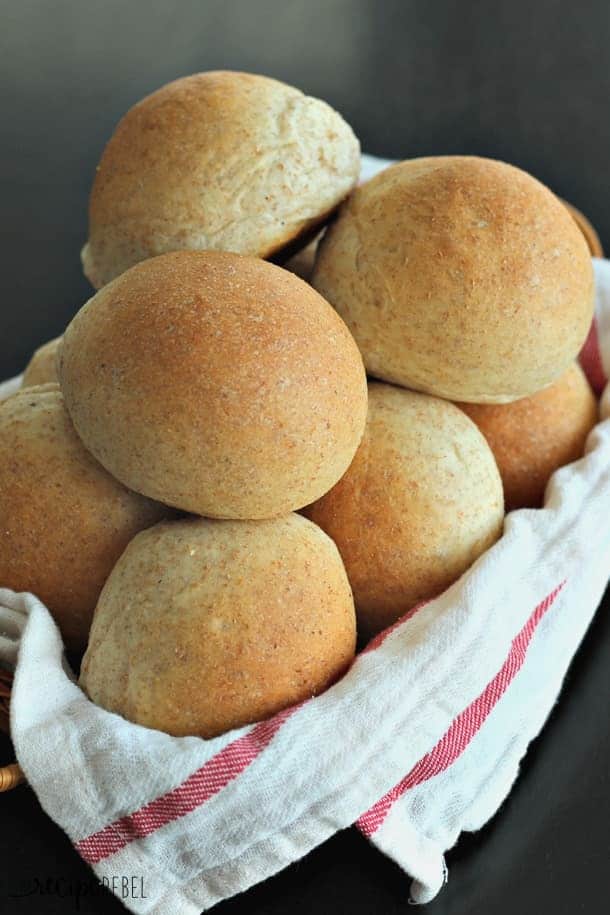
(220, 384)
(461, 277)
(223, 160)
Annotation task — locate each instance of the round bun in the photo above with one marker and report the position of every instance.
(220, 384)
(533, 437)
(42, 367)
(204, 626)
(420, 502)
(223, 160)
(461, 277)
(64, 520)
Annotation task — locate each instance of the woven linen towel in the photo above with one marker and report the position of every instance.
(420, 740)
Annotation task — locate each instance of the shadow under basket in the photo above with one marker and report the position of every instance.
(11, 775)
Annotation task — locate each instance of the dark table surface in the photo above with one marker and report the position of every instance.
(527, 81)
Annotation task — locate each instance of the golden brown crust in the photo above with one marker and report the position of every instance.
(219, 384)
(223, 160)
(533, 437)
(64, 520)
(459, 276)
(42, 367)
(420, 502)
(204, 626)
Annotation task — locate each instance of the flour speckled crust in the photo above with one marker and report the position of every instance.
(420, 502)
(64, 520)
(42, 367)
(461, 277)
(533, 437)
(222, 160)
(219, 384)
(204, 625)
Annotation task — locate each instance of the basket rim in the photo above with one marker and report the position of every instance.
(587, 228)
(6, 682)
(11, 775)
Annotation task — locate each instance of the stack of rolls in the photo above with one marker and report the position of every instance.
(219, 498)
(462, 279)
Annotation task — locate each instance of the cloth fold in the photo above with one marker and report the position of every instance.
(419, 741)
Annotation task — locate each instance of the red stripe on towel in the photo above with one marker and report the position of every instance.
(591, 360)
(464, 727)
(221, 769)
(203, 784)
(191, 794)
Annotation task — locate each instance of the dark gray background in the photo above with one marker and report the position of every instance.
(525, 81)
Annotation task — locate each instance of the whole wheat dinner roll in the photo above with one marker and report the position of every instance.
(204, 626)
(222, 160)
(461, 277)
(420, 502)
(531, 438)
(219, 384)
(64, 520)
(42, 367)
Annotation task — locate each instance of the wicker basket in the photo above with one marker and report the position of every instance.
(591, 236)
(11, 775)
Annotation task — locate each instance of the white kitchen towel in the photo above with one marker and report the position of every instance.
(419, 741)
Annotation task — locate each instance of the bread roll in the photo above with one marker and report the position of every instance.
(204, 626)
(461, 277)
(420, 502)
(222, 160)
(531, 438)
(42, 367)
(220, 384)
(64, 520)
